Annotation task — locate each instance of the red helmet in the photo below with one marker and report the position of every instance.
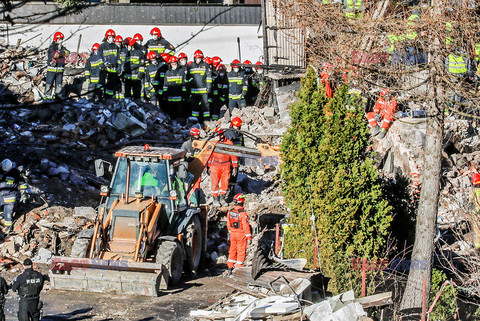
(194, 131)
(239, 198)
(137, 36)
(173, 59)
(236, 122)
(259, 64)
(151, 55)
(247, 62)
(110, 33)
(58, 35)
(127, 40)
(235, 63)
(182, 55)
(384, 92)
(207, 60)
(219, 131)
(476, 179)
(216, 60)
(132, 42)
(165, 56)
(118, 39)
(221, 67)
(198, 54)
(156, 31)
(95, 46)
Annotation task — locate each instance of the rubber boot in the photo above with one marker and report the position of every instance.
(223, 200)
(216, 202)
(382, 133)
(376, 130)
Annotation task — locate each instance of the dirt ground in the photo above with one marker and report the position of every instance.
(173, 305)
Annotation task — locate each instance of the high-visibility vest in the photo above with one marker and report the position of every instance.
(477, 51)
(456, 64)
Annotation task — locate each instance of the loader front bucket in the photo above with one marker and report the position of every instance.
(96, 275)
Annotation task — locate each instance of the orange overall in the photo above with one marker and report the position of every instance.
(239, 229)
(386, 109)
(219, 165)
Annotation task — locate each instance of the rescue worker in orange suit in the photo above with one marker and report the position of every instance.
(384, 111)
(240, 234)
(237, 139)
(220, 169)
(325, 75)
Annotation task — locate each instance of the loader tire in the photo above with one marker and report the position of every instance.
(82, 243)
(170, 254)
(193, 245)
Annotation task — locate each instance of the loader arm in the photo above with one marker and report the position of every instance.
(264, 155)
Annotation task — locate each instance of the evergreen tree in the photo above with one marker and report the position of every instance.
(325, 152)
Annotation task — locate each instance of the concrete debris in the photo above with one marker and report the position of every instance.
(253, 303)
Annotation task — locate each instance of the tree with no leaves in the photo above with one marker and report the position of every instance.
(426, 54)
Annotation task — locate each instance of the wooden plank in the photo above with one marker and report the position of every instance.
(291, 317)
(376, 300)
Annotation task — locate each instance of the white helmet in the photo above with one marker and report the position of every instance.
(7, 165)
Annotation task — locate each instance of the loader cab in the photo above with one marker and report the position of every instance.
(143, 174)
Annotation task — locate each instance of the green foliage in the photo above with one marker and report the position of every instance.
(325, 152)
(445, 307)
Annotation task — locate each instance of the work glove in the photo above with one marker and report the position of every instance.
(377, 118)
(228, 237)
(235, 171)
(249, 242)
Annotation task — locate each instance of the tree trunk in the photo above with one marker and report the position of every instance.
(420, 269)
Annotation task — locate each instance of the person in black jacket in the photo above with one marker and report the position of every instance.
(55, 65)
(199, 78)
(3, 292)
(219, 91)
(109, 52)
(158, 44)
(95, 74)
(134, 70)
(173, 89)
(29, 284)
(11, 182)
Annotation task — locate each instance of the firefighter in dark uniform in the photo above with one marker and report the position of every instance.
(174, 88)
(3, 292)
(11, 183)
(109, 52)
(158, 44)
(95, 74)
(134, 70)
(151, 84)
(29, 284)
(199, 78)
(237, 88)
(219, 91)
(55, 66)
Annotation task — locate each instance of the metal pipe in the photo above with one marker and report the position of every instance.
(127, 188)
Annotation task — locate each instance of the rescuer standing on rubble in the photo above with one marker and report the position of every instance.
(94, 72)
(11, 183)
(29, 284)
(199, 78)
(237, 139)
(190, 154)
(237, 87)
(174, 88)
(109, 52)
(220, 169)
(55, 65)
(134, 70)
(384, 111)
(151, 84)
(475, 217)
(219, 91)
(240, 234)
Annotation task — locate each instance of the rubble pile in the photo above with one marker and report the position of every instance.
(292, 300)
(23, 70)
(44, 232)
(401, 152)
(83, 124)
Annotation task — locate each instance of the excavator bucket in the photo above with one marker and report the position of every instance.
(97, 275)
